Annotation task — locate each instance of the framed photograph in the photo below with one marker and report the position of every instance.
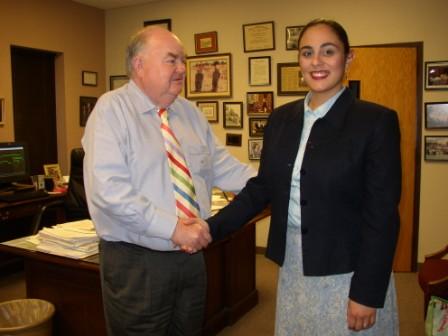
(436, 115)
(256, 126)
(165, 23)
(233, 139)
(89, 78)
(436, 75)
(260, 102)
(206, 42)
(254, 148)
(292, 37)
(86, 105)
(117, 81)
(260, 71)
(436, 148)
(2, 111)
(210, 110)
(289, 80)
(209, 76)
(233, 114)
(259, 36)
(54, 171)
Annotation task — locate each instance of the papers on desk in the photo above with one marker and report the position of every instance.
(218, 202)
(73, 239)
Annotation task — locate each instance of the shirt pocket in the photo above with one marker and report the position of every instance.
(199, 160)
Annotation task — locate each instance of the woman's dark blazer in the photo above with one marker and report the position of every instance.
(350, 188)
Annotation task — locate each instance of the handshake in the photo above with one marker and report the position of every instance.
(191, 234)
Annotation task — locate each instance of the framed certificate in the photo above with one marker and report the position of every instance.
(289, 80)
(260, 71)
(258, 36)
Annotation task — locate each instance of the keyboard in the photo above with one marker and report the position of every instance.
(22, 195)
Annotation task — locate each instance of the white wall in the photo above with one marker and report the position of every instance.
(367, 22)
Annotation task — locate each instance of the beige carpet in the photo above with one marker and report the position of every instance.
(260, 320)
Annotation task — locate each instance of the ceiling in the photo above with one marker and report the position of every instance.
(109, 4)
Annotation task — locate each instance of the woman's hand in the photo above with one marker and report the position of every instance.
(360, 317)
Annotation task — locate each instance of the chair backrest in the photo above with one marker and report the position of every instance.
(75, 200)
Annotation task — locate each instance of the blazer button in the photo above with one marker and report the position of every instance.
(304, 230)
(303, 202)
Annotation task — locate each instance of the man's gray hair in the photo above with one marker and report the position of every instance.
(136, 44)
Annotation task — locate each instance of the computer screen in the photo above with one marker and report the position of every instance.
(14, 164)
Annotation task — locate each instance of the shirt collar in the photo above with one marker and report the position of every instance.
(322, 110)
(142, 101)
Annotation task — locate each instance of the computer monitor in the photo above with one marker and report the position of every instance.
(14, 165)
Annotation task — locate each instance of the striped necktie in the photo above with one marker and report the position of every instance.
(186, 204)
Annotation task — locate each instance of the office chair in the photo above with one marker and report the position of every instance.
(433, 276)
(74, 203)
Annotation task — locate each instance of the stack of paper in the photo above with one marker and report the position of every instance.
(73, 239)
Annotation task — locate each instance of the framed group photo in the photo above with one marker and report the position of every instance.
(209, 76)
(436, 75)
(436, 148)
(258, 36)
(436, 115)
(290, 80)
(210, 109)
(233, 114)
(260, 102)
(256, 126)
(254, 148)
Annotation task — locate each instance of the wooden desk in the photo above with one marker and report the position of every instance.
(73, 286)
(16, 219)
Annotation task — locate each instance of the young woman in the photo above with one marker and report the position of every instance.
(330, 169)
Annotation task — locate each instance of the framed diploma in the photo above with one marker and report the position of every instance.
(258, 36)
(289, 80)
(260, 71)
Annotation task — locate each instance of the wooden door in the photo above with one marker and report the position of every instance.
(389, 76)
(33, 81)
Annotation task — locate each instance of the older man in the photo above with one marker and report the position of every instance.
(151, 162)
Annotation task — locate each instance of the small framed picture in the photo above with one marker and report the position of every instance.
(290, 80)
(292, 37)
(54, 171)
(233, 139)
(256, 126)
(206, 42)
(89, 78)
(436, 148)
(258, 36)
(436, 75)
(165, 23)
(436, 115)
(210, 110)
(86, 105)
(260, 71)
(260, 102)
(117, 81)
(254, 148)
(209, 76)
(233, 114)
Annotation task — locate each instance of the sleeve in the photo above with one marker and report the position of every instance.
(380, 213)
(114, 203)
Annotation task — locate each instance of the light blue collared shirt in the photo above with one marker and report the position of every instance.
(310, 117)
(127, 179)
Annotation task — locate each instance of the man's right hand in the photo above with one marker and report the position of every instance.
(191, 235)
